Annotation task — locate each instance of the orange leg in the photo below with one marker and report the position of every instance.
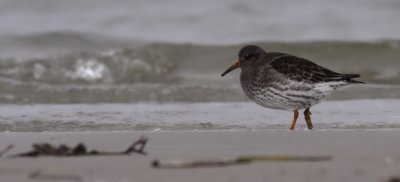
(307, 117)
(296, 115)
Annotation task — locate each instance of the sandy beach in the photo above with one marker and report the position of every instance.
(104, 73)
(357, 155)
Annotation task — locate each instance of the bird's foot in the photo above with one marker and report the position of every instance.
(307, 117)
(295, 116)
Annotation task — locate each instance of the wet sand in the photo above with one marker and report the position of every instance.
(358, 155)
(349, 114)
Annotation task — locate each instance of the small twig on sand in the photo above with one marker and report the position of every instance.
(136, 147)
(393, 179)
(235, 161)
(46, 149)
(5, 150)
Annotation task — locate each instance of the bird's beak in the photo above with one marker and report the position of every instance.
(234, 66)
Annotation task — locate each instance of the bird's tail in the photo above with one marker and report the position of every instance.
(347, 77)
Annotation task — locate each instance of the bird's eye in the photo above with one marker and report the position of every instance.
(247, 56)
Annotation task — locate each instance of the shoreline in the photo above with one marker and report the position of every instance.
(219, 116)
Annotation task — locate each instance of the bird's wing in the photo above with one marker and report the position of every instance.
(300, 69)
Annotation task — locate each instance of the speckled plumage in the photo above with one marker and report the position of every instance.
(285, 82)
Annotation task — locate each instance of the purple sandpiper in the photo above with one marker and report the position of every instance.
(286, 82)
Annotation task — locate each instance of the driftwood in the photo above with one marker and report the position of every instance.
(235, 161)
(46, 149)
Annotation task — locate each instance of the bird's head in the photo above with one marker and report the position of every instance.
(248, 55)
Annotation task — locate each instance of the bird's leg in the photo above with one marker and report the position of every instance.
(307, 117)
(295, 116)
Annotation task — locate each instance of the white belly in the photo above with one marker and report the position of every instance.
(291, 97)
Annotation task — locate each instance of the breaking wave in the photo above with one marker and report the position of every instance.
(115, 66)
(182, 72)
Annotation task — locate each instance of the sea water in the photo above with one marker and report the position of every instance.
(155, 65)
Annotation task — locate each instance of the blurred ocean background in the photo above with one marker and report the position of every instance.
(151, 65)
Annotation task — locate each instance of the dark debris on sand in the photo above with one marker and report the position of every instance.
(46, 149)
(393, 179)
